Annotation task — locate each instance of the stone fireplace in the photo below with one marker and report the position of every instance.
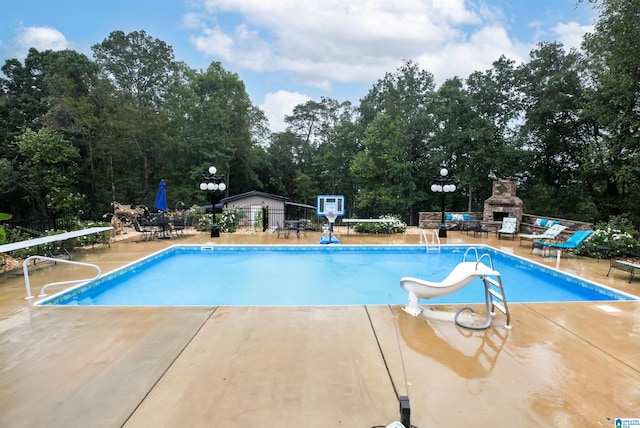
(503, 202)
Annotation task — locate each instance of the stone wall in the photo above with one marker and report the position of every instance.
(431, 219)
(528, 225)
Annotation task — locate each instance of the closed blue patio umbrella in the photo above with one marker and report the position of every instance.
(161, 197)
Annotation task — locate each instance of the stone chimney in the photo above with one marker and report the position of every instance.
(503, 202)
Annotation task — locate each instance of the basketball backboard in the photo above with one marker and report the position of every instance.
(330, 204)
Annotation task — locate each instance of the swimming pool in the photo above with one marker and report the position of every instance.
(250, 275)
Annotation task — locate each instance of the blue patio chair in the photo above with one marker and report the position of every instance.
(570, 244)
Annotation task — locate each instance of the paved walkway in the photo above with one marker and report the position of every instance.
(570, 364)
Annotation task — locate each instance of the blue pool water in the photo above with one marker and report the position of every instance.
(315, 275)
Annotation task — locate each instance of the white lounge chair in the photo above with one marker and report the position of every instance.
(509, 226)
(550, 234)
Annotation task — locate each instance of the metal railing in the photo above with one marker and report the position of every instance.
(435, 240)
(27, 283)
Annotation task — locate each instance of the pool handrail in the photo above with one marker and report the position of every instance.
(435, 240)
(478, 257)
(25, 270)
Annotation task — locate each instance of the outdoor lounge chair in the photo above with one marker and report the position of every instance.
(550, 234)
(509, 226)
(570, 244)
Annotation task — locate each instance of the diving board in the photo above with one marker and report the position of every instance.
(6, 248)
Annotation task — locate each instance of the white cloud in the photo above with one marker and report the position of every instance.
(326, 43)
(278, 104)
(476, 54)
(571, 34)
(320, 42)
(41, 38)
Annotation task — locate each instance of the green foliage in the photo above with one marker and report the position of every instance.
(572, 203)
(258, 220)
(616, 237)
(203, 223)
(3, 234)
(564, 124)
(48, 165)
(393, 226)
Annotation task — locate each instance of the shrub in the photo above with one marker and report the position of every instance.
(617, 237)
(393, 226)
(229, 220)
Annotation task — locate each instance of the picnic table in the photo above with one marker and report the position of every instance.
(296, 226)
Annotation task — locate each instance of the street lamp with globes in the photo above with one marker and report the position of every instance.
(212, 183)
(443, 184)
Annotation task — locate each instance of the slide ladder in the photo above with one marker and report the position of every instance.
(461, 276)
(494, 297)
(434, 245)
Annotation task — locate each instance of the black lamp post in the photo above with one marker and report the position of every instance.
(212, 183)
(443, 184)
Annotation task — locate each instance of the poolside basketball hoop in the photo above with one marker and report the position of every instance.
(331, 216)
(331, 207)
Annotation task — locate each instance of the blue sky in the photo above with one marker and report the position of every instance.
(290, 51)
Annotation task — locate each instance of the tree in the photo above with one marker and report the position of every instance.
(496, 112)
(143, 69)
(403, 98)
(381, 172)
(468, 142)
(47, 166)
(552, 92)
(279, 171)
(613, 107)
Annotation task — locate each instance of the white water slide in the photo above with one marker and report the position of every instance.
(462, 275)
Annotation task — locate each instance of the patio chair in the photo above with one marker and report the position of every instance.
(570, 244)
(630, 264)
(551, 234)
(279, 230)
(177, 226)
(509, 226)
(148, 232)
(474, 226)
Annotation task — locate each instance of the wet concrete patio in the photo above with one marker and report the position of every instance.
(562, 364)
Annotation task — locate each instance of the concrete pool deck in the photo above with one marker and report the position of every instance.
(562, 364)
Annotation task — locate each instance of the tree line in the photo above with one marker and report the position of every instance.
(77, 133)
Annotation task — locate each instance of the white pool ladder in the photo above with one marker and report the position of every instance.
(434, 245)
(494, 296)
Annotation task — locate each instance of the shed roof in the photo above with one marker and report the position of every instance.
(250, 194)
